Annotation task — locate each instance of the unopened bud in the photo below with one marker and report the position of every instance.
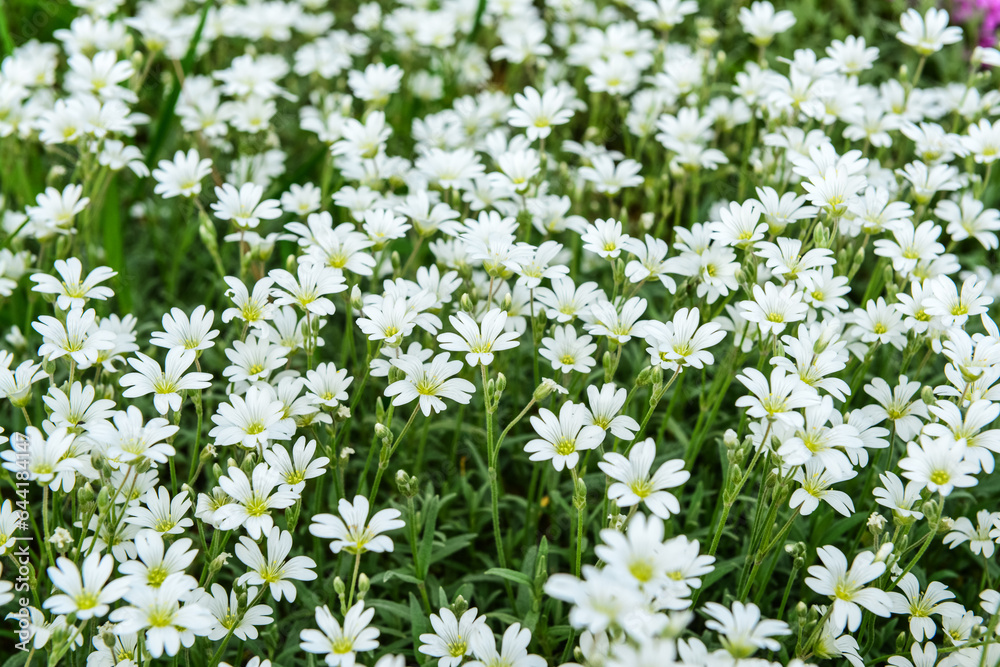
(580, 494)
(927, 396)
(546, 387)
(62, 539)
(406, 484)
(103, 499)
(85, 494)
(206, 230)
(218, 562)
(459, 606)
(876, 524)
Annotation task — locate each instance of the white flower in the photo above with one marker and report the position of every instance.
(604, 406)
(479, 341)
(154, 562)
(562, 438)
(762, 23)
(920, 606)
(513, 649)
(429, 383)
(251, 420)
(980, 537)
(309, 288)
(73, 290)
(567, 351)
(605, 238)
(158, 611)
(929, 33)
(165, 384)
(452, 638)
(938, 465)
(341, 644)
(618, 326)
(777, 398)
(846, 586)
(228, 616)
(161, 514)
(275, 570)
(80, 337)
(742, 630)
(189, 333)
(181, 177)
(89, 595)
(244, 206)
(815, 481)
(773, 308)
(634, 484)
(253, 499)
(538, 113)
(353, 532)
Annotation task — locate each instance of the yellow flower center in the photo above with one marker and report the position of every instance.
(565, 446)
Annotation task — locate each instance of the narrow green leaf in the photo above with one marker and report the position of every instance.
(511, 575)
(431, 507)
(114, 243)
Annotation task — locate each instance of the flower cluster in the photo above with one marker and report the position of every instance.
(671, 322)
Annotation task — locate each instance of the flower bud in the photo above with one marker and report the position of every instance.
(62, 539)
(406, 484)
(356, 302)
(876, 524)
(218, 562)
(927, 396)
(580, 494)
(208, 234)
(459, 606)
(501, 383)
(103, 500)
(546, 387)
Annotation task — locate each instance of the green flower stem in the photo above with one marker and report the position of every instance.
(729, 497)
(384, 463)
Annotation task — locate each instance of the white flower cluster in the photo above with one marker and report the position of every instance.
(673, 307)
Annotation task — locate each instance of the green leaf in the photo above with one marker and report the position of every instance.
(431, 507)
(170, 105)
(114, 243)
(388, 575)
(450, 546)
(17, 659)
(418, 622)
(511, 575)
(721, 570)
(394, 608)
